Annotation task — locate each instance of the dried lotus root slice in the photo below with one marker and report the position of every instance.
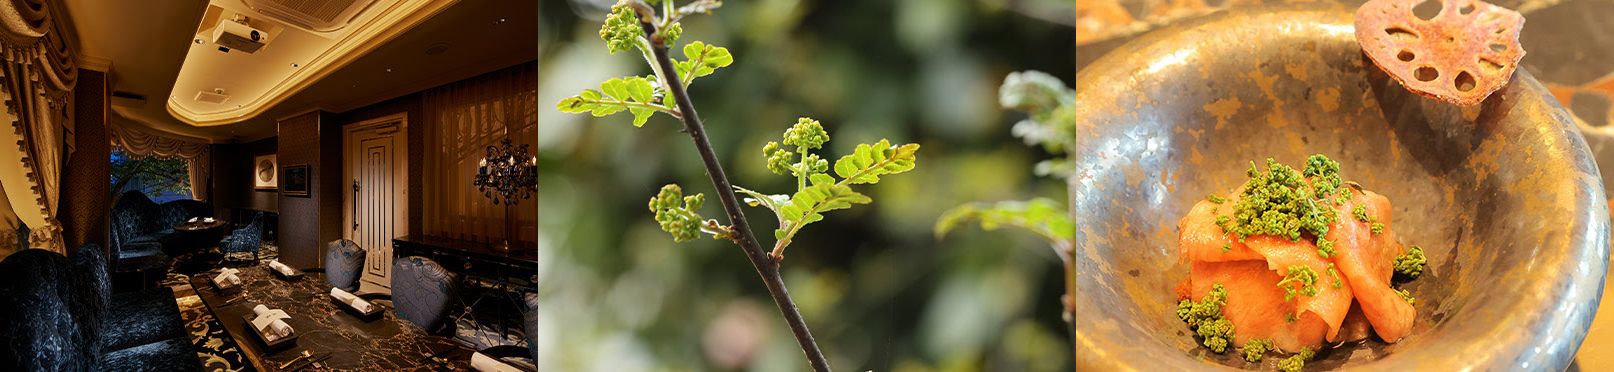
(1461, 55)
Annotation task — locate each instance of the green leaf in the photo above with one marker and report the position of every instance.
(633, 94)
(615, 88)
(772, 202)
(868, 162)
(640, 115)
(1042, 216)
(824, 195)
(702, 60)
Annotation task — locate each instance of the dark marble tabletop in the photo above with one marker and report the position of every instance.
(198, 225)
(388, 343)
(517, 254)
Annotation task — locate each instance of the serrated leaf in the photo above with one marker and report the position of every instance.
(1042, 216)
(868, 162)
(702, 60)
(824, 195)
(632, 94)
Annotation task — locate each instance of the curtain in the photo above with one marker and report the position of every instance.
(462, 120)
(37, 74)
(137, 143)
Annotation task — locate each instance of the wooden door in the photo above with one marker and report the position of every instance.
(376, 209)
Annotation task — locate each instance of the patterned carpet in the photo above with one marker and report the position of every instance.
(217, 351)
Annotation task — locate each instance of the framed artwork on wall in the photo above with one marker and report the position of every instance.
(295, 182)
(265, 172)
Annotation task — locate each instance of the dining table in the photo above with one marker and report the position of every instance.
(338, 339)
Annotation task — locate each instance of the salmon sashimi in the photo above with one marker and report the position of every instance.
(1261, 248)
(1367, 260)
(1330, 304)
(1200, 239)
(1255, 304)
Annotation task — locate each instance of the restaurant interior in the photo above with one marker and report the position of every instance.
(268, 185)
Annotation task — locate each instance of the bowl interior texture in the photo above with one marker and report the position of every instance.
(1503, 196)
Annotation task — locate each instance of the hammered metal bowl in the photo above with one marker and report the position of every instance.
(1503, 196)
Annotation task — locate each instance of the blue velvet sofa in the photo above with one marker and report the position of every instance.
(60, 315)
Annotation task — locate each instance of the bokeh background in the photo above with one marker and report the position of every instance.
(878, 289)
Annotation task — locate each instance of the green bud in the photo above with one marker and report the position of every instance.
(807, 134)
(671, 33)
(621, 28)
(779, 160)
(682, 222)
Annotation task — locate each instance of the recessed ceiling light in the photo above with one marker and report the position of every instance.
(389, 69)
(198, 41)
(436, 49)
(294, 65)
(498, 21)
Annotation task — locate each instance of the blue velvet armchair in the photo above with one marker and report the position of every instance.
(421, 292)
(247, 238)
(59, 316)
(137, 227)
(344, 263)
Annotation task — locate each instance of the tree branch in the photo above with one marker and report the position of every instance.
(766, 266)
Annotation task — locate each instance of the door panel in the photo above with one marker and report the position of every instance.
(376, 164)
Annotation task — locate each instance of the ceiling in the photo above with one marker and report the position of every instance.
(151, 51)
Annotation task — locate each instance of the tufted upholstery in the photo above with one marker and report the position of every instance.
(177, 211)
(344, 263)
(530, 319)
(247, 238)
(174, 354)
(58, 315)
(35, 314)
(136, 226)
(92, 293)
(421, 291)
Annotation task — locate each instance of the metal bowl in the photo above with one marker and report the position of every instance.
(1504, 196)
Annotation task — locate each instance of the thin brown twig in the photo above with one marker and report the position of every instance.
(767, 267)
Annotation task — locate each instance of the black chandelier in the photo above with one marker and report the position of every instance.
(506, 173)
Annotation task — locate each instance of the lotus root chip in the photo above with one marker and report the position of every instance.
(1460, 55)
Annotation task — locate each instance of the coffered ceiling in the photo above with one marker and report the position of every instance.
(163, 51)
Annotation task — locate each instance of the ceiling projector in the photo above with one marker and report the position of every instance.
(238, 36)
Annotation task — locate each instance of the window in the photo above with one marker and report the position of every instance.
(160, 178)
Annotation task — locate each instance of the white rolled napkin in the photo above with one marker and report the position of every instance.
(228, 275)
(207, 219)
(348, 298)
(282, 268)
(483, 362)
(192, 220)
(270, 323)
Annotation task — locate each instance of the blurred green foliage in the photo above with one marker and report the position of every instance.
(879, 290)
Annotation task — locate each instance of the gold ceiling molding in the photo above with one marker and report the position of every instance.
(391, 22)
(37, 74)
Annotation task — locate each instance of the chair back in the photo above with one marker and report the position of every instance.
(38, 316)
(176, 211)
(344, 263)
(247, 238)
(92, 291)
(421, 291)
(530, 319)
(134, 215)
